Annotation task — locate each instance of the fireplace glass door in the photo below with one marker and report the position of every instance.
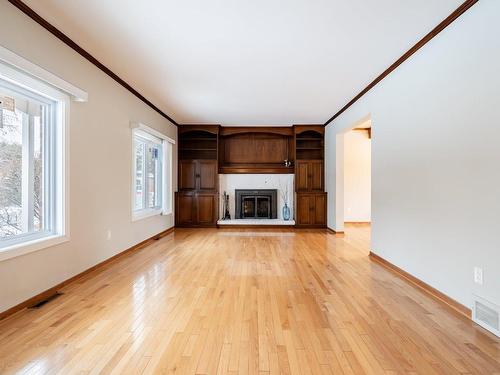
(256, 207)
(256, 204)
(263, 207)
(248, 207)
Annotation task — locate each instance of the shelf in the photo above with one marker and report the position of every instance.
(309, 148)
(255, 168)
(309, 138)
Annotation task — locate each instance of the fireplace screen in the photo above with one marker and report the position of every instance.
(256, 207)
(256, 204)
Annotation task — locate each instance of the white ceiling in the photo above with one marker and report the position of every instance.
(246, 62)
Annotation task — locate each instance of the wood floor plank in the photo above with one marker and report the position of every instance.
(243, 301)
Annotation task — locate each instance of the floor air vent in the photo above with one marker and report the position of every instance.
(486, 314)
(46, 300)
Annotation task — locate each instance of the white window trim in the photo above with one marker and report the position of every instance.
(32, 81)
(168, 165)
(167, 142)
(145, 213)
(26, 66)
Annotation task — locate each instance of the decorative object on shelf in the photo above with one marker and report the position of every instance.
(288, 163)
(284, 197)
(227, 215)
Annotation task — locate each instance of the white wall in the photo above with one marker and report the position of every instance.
(435, 158)
(100, 166)
(357, 176)
(230, 182)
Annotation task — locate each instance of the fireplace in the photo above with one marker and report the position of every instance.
(256, 204)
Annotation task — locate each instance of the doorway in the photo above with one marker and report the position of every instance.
(353, 153)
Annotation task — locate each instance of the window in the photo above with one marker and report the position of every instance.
(151, 188)
(31, 164)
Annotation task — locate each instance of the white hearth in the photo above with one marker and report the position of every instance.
(276, 222)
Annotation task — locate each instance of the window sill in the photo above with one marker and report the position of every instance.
(143, 214)
(31, 246)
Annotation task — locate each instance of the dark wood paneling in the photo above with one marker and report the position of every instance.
(303, 214)
(316, 175)
(184, 128)
(301, 175)
(422, 42)
(255, 149)
(198, 176)
(207, 174)
(318, 128)
(187, 174)
(311, 210)
(309, 175)
(255, 168)
(320, 209)
(206, 205)
(70, 43)
(277, 130)
(185, 208)
(196, 209)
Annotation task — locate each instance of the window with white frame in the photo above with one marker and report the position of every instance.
(31, 162)
(151, 174)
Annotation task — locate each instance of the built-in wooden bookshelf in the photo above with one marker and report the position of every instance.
(310, 197)
(198, 144)
(197, 198)
(309, 145)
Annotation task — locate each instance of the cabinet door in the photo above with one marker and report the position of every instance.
(185, 208)
(207, 172)
(316, 174)
(303, 214)
(206, 205)
(319, 210)
(302, 175)
(187, 174)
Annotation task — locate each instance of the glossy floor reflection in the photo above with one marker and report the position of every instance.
(207, 301)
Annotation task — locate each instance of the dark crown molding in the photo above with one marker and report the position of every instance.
(447, 21)
(70, 43)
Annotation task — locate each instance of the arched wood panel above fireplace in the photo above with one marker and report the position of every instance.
(256, 150)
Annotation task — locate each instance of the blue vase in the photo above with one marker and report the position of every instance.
(286, 212)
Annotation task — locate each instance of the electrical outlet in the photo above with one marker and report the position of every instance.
(108, 234)
(478, 275)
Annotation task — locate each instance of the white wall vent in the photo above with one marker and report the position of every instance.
(486, 314)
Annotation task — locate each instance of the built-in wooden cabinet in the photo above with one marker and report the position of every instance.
(196, 209)
(207, 150)
(198, 175)
(311, 209)
(184, 208)
(310, 206)
(206, 208)
(309, 175)
(198, 196)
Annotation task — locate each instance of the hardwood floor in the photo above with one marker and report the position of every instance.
(207, 301)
